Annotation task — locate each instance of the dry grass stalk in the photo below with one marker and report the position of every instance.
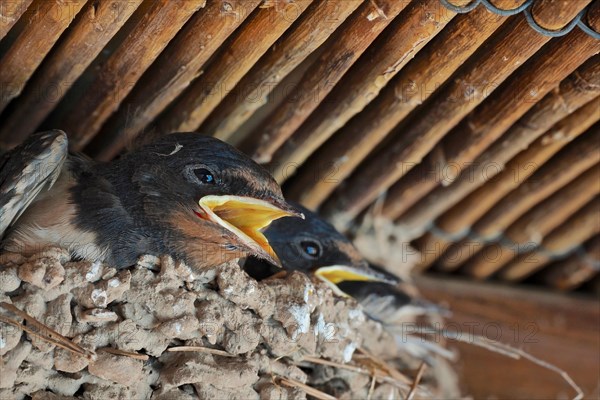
(44, 332)
(307, 389)
(413, 388)
(201, 350)
(129, 354)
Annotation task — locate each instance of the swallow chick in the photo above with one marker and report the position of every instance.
(315, 247)
(185, 194)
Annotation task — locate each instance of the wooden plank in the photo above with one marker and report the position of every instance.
(558, 328)
(96, 24)
(488, 122)
(515, 172)
(10, 12)
(568, 236)
(413, 85)
(580, 88)
(178, 65)
(48, 21)
(575, 270)
(344, 48)
(259, 33)
(420, 22)
(531, 228)
(319, 21)
(124, 67)
(517, 43)
(565, 166)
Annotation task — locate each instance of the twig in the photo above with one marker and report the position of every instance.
(386, 367)
(49, 334)
(201, 350)
(413, 388)
(130, 354)
(372, 387)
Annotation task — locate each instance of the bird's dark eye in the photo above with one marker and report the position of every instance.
(310, 248)
(205, 176)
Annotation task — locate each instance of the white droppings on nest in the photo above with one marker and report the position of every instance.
(302, 316)
(99, 297)
(94, 272)
(349, 351)
(114, 282)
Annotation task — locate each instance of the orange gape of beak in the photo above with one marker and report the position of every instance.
(246, 217)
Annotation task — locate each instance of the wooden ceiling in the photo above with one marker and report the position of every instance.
(474, 130)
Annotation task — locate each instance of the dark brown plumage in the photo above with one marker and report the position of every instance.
(185, 194)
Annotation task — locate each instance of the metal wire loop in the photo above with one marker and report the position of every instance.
(506, 13)
(548, 32)
(460, 10)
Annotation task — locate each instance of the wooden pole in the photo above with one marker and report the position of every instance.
(568, 236)
(91, 31)
(419, 23)
(498, 211)
(246, 47)
(530, 229)
(487, 123)
(343, 49)
(517, 43)
(48, 21)
(516, 171)
(414, 84)
(319, 21)
(178, 65)
(123, 68)
(11, 11)
(575, 91)
(575, 270)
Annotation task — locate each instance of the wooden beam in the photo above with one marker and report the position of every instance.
(414, 84)
(583, 225)
(124, 67)
(575, 270)
(91, 31)
(259, 33)
(10, 12)
(517, 43)
(49, 19)
(319, 21)
(497, 215)
(343, 49)
(174, 69)
(420, 22)
(458, 220)
(559, 329)
(532, 227)
(581, 88)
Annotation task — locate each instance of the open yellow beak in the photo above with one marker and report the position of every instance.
(246, 217)
(334, 274)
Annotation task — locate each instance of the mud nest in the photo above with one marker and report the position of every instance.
(161, 330)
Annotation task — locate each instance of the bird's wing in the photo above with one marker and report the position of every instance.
(28, 169)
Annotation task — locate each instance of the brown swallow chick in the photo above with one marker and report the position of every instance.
(185, 194)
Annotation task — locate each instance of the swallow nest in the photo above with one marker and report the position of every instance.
(80, 329)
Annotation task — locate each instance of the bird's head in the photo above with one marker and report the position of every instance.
(314, 246)
(209, 193)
